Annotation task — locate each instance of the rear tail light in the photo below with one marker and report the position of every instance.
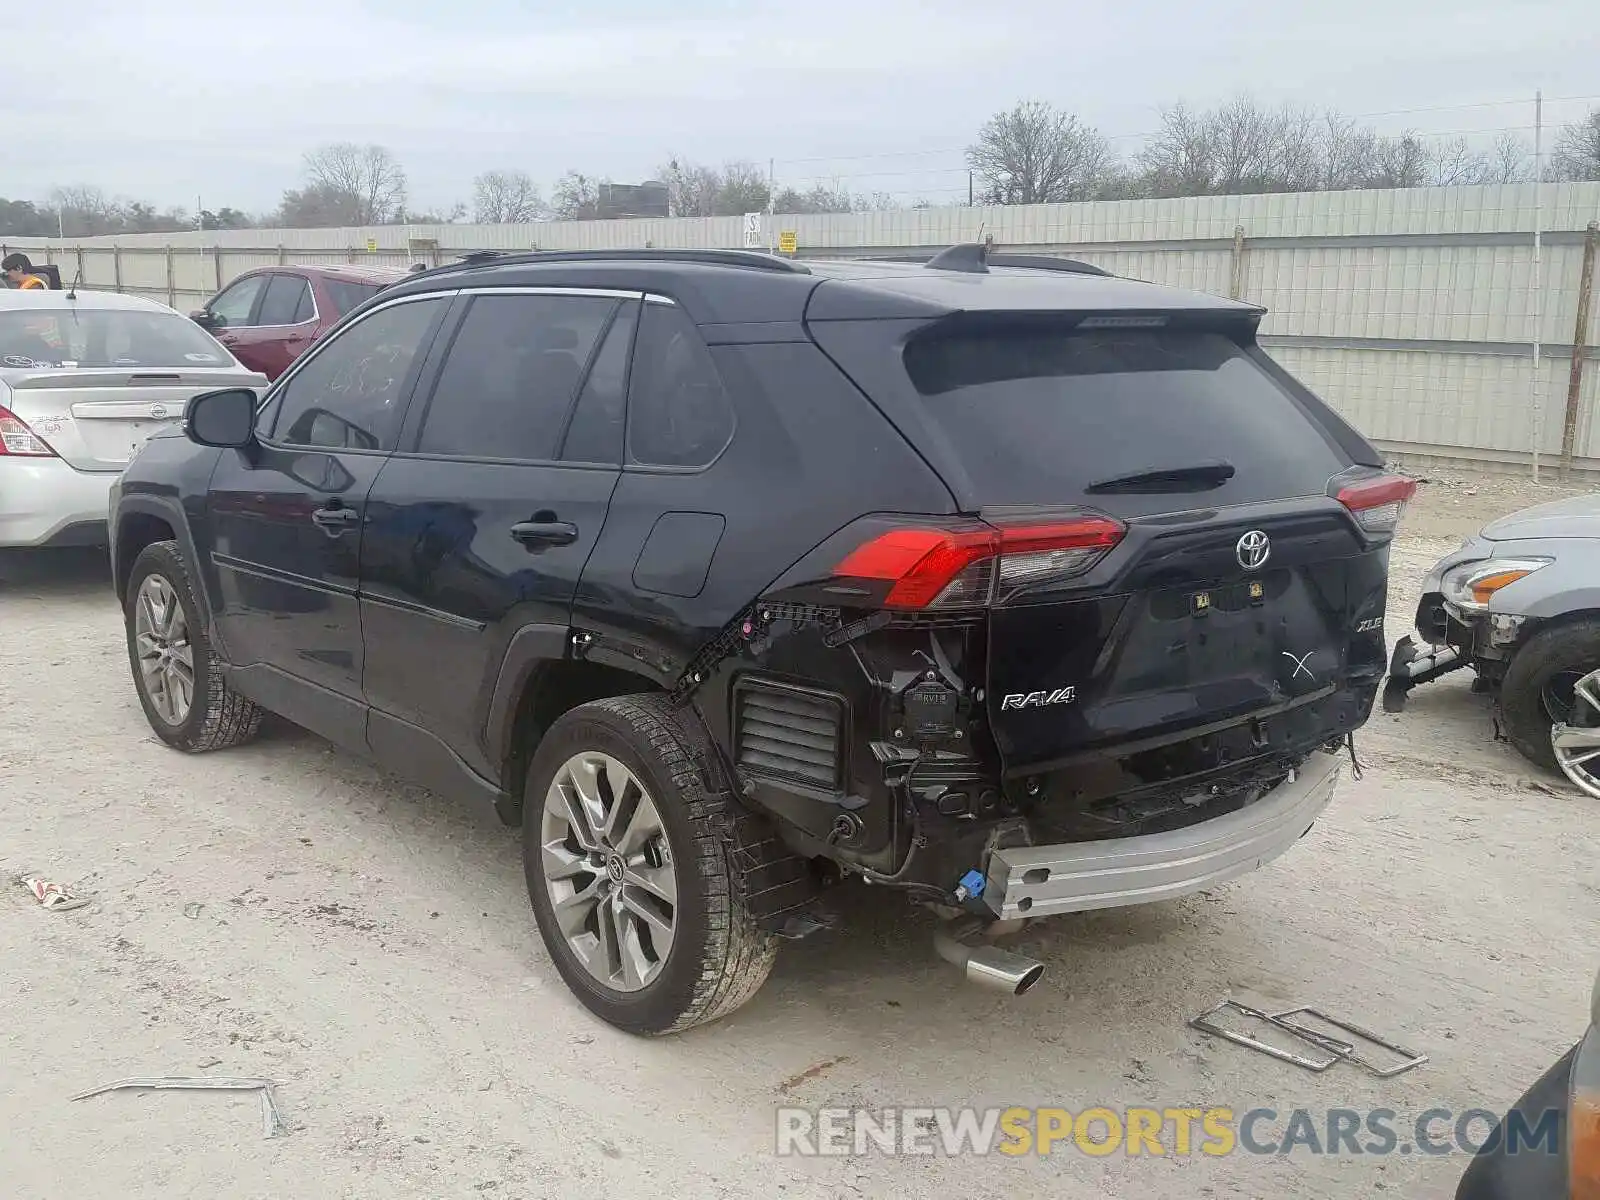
(1378, 503)
(16, 438)
(977, 565)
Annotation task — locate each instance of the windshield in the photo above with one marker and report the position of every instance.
(90, 337)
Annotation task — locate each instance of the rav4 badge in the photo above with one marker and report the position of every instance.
(1064, 695)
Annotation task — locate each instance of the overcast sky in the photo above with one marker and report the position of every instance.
(165, 100)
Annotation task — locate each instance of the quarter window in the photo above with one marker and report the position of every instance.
(679, 414)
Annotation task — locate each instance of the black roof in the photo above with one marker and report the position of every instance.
(740, 287)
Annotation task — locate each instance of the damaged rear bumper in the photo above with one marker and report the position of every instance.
(1037, 881)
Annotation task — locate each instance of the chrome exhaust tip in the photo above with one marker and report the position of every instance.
(989, 966)
(1002, 970)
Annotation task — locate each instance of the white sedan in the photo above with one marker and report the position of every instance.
(85, 378)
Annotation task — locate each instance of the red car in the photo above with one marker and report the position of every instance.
(268, 317)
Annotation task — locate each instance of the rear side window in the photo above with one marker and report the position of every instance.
(511, 375)
(679, 415)
(1038, 414)
(287, 297)
(346, 295)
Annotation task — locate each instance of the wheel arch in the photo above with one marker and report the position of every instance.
(539, 681)
(142, 521)
(1561, 620)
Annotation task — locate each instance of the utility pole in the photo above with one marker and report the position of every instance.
(772, 201)
(1538, 295)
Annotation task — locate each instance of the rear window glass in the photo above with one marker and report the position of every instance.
(87, 337)
(346, 295)
(1036, 415)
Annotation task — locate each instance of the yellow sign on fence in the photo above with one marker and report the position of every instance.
(372, 245)
(788, 240)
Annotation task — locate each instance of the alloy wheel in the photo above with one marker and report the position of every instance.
(608, 870)
(166, 656)
(1576, 740)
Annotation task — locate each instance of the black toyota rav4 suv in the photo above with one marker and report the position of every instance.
(997, 581)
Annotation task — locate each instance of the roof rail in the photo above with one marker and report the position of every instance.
(1033, 262)
(1047, 262)
(749, 259)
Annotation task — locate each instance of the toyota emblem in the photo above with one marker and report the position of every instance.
(1253, 550)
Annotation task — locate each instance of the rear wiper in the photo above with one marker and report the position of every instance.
(1195, 478)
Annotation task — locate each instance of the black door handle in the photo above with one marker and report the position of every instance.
(334, 519)
(545, 533)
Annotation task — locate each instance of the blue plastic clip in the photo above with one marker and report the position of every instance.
(971, 886)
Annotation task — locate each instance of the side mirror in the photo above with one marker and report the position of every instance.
(206, 319)
(225, 419)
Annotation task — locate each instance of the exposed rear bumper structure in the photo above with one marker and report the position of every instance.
(1039, 881)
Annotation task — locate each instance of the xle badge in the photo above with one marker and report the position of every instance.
(1064, 695)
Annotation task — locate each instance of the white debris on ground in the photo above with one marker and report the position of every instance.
(368, 947)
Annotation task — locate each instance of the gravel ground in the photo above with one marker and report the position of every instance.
(288, 911)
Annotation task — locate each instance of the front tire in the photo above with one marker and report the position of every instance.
(628, 871)
(1536, 692)
(175, 671)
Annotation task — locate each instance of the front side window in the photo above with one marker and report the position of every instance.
(235, 303)
(511, 375)
(351, 394)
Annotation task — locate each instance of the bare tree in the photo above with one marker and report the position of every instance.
(1348, 153)
(1181, 158)
(744, 189)
(1036, 154)
(692, 189)
(505, 198)
(1454, 163)
(433, 216)
(84, 210)
(576, 197)
(1577, 154)
(1401, 162)
(1510, 160)
(368, 176)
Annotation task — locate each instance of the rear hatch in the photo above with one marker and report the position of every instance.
(1170, 536)
(95, 419)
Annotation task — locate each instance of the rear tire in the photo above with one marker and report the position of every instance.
(175, 671)
(1540, 674)
(688, 962)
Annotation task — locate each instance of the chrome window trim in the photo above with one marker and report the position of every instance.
(317, 351)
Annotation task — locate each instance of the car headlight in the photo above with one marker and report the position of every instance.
(1471, 585)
